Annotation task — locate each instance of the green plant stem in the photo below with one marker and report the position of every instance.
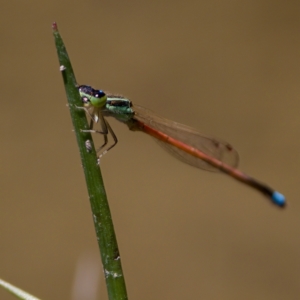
(17, 292)
(106, 238)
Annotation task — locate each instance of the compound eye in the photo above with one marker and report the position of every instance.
(99, 94)
(85, 89)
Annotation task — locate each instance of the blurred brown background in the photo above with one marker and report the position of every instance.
(228, 68)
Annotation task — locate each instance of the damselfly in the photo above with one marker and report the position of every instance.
(183, 142)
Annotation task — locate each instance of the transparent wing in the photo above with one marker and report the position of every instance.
(210, 146)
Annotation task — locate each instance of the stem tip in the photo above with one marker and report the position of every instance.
(54, 26)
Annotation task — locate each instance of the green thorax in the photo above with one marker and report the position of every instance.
(118, 107)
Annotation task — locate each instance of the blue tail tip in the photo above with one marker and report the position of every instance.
(278, 199)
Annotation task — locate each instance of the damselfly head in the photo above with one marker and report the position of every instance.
(92, 97)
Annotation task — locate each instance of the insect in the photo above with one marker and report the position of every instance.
(183, 142)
